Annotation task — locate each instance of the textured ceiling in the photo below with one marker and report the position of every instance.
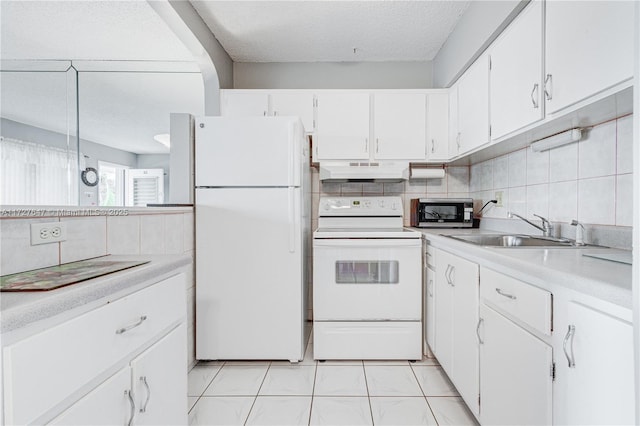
(90, 30)
(319, 31)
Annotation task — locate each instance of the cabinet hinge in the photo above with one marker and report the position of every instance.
(489, 130)
(490, 63)
(478, 400)
(553, 371)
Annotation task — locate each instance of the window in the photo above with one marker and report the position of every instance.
(35, 174)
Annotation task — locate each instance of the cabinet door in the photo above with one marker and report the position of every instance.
(108, 404)
(343, 126)
(516, 73)
(589, 48)
(443, 327)
(465, 374)
(430, 304)
(600, 387)
(473, 106)
(438, 126)
(297, 104)
(454, 122)
(399, 122)
(515, 368)
(159, 378)
(245, 104)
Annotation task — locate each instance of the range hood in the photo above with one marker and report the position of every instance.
(381, 171)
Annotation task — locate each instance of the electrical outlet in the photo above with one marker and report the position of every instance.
(498, 198)
(49, 232)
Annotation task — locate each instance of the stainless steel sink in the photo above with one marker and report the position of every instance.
(501, 240)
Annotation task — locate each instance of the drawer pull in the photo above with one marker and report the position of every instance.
(507, 295)
(129, 327)
(143, 379)
(571, 331)
(430, 288)
(132, 404)
(450, 270)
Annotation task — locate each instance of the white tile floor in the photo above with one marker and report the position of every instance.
(324, 393)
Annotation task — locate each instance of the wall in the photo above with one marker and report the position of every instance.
(333, 75)
(92, 236)
(479, 26)
(591, 181)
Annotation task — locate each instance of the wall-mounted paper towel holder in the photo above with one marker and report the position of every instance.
(424, 171)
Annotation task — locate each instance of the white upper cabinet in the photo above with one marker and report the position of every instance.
(516, 73)
(399, 122)
(298, 104)
(437, 126)
(342, 130)
(243, 104)
(473, 107)
(589, 48)
(258, 103)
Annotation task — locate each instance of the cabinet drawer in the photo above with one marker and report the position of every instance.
(41, 371)
(521, 301)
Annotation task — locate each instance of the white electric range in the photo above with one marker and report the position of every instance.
(367, 281)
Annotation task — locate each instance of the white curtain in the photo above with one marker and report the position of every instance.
(34, 174)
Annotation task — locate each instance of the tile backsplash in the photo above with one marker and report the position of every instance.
(590, 181)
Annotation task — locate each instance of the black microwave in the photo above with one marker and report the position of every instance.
(442, 212)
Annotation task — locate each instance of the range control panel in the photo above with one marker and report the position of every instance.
(360, 206)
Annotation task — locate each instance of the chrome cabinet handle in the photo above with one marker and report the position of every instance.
(132, 404)
(450, 270)
(571, 331)
(480, 321)
(143, 379)
(507, 295)
(129, 327)
(548, 83)
(534, 100)
(430, 288)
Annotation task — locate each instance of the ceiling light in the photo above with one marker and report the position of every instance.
(564, 138)
(164, 139)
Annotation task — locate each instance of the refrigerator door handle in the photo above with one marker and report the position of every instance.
(292, 221)
(292, 155)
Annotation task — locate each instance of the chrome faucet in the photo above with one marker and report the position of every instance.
(546, 228)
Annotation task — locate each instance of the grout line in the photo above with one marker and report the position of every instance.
(313, 391)
(257, 393)
(366, 383)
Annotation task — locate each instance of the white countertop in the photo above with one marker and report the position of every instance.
(548, 267)
(21, 309)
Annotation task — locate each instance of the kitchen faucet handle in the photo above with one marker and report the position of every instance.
(548, 226)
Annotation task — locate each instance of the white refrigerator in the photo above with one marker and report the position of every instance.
(252, 212)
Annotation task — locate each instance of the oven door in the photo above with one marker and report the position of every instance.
(367, 279)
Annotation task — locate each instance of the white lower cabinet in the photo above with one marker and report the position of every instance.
(159, 381)
(456, 317)
(515, 373)
(596, 368)
(62, 374)
(148, 392)
(108, 404)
